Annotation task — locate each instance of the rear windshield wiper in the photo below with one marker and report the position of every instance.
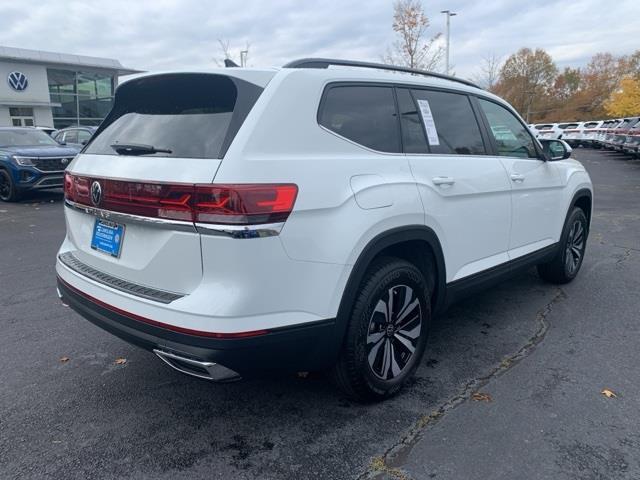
(137, 149)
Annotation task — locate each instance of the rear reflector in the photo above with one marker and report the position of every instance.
(237, 204)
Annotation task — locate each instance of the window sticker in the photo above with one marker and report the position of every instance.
(429, 124)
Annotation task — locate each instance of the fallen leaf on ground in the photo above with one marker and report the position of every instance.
(64, 359)
(121, 361)
(481, 397)
(608, 393)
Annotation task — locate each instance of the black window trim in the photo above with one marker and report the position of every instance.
(251, 93)
(359, 83)
(424, 130)
(483, 123)
(492, 140)
(483, 134)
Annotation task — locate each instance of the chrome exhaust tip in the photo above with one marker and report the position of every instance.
(197, 368)
(60, 297)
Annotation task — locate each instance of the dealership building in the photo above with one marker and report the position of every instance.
(56, 89)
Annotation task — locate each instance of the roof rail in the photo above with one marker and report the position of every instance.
(326, 62)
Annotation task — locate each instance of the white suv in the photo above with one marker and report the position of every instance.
(241, 221)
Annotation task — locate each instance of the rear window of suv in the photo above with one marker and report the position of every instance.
(182, 115)
(363, 114)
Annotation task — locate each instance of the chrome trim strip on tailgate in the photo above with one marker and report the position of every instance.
(240, 231)
(162, 296)
(129, 218)
(231, 231)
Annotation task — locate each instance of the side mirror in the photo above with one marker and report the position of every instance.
(84, 142)
(556, 149)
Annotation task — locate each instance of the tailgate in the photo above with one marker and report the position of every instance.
(153, 252)
(129, 195)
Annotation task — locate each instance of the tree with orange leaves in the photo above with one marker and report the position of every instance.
(625, 101)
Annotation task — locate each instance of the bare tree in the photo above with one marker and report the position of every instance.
(489, 73)
(412, 48)
(229, 55)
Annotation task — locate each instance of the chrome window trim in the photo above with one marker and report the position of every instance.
(162, 223)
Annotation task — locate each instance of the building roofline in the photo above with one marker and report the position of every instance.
(66, 59)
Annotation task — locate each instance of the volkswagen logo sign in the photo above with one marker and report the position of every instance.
(64, 161)
(96, 193)
(18, 81)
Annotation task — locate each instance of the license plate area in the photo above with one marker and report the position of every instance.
(107, 237)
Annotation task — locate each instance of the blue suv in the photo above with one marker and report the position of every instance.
(29, 160)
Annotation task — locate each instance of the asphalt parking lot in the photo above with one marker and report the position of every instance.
(510, 386)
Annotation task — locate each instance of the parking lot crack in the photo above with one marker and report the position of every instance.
(394, 457)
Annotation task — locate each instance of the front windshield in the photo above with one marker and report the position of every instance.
(25, 138)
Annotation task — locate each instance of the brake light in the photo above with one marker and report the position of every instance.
(239, 204)
(243, 204)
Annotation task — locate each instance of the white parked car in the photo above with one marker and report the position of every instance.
(548, 131)
(590, 132)
(239, 221)
(572, 133)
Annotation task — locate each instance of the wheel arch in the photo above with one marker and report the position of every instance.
(403, 242)
(583, 199)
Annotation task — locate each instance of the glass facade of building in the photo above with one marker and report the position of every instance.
(85, 98)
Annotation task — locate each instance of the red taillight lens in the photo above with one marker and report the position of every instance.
(244, 204)
(148, 199)
(76, 189)
(225, 204)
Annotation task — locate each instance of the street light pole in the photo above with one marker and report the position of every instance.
(449, 14)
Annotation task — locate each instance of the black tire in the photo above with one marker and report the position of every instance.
(8, 190)
(371, 334)
(573, 242)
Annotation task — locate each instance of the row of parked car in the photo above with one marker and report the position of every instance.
(34, 158)
(621, 134)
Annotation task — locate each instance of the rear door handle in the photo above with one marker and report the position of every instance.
(517, 177)
(443, 181)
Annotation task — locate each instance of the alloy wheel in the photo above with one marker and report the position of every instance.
(575, 247)
(5, 186)
(393, 332)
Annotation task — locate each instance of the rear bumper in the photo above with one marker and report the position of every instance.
(309, 346)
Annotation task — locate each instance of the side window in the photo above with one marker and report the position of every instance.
(83, 136)
(71, 136)
(363, 114)
(512, 138)
(413, 138)
(450, 123)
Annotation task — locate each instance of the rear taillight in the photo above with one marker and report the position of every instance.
(239, 204)
(243, 204)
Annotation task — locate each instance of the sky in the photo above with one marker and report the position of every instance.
(167, 34)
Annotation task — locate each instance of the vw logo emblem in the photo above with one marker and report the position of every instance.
(18, 81)
(96, 193)
(64, 161)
